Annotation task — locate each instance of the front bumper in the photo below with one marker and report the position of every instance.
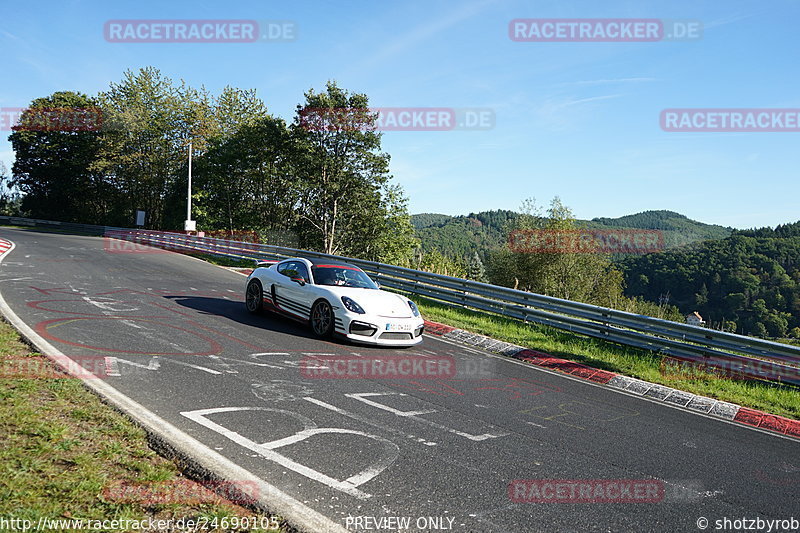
(384, 331)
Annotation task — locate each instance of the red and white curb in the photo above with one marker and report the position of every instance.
(5, 246)
(652, 391)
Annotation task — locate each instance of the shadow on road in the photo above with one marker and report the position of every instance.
(267, 321)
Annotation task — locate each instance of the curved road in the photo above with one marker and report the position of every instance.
(439, 453)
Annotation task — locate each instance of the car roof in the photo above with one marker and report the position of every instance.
(327, 262)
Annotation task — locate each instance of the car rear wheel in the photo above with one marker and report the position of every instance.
(322, 319)
(254, 297)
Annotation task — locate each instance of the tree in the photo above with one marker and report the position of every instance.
(701, 298)
(56, 163)
(569, 273)
(437, 263)
(776, 323)
(10, 199)
(347, 203)
(245, 179)
(150, 125)
(475, 269)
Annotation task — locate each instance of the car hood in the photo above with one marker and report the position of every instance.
(377, 302)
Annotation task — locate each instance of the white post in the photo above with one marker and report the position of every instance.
(189, 192)
(189, 224)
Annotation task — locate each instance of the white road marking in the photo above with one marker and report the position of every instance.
(278, 390)
(108, 305)
(225, 365)
(155, 364)
(366, 420)
(277, 366)
(413, 415)
(362, 397)
(266, 450)
(198, 367)
(111, 367)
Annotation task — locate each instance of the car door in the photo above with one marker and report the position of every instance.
(291, 296)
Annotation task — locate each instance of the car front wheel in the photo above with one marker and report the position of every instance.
(322, 319)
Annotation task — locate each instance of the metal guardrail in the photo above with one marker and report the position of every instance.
(733, 354)
(66, 227)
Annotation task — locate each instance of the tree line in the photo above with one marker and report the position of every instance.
(747, 283)
(323, 188)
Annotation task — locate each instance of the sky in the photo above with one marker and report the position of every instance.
(578, 120)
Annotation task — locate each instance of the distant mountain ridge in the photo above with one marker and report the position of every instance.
(460, 236)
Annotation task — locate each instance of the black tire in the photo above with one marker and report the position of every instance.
(322, 319)
(254, 297)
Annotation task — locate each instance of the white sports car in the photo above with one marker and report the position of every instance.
(335, 298)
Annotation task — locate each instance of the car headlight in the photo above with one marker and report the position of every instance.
(351, 305)
(413, 307)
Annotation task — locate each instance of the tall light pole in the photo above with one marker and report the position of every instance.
(189, 224)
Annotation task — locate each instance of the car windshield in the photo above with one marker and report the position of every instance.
(342, 276)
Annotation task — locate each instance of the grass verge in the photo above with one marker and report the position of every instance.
(65, 452)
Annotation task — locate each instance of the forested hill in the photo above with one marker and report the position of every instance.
(750, 280)
(666, 221)
(459, 236)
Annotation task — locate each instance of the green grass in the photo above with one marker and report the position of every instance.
(62, 447)
(772, 398)
(223, 260)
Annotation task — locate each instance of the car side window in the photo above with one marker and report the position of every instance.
(288, 269)
(294, 269)
(302, 271)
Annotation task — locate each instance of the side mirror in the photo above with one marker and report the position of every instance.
(300, 281)
(377, 283)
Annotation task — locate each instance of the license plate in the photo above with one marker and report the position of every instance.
(398, 327)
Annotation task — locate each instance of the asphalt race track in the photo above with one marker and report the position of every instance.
(440, 451)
